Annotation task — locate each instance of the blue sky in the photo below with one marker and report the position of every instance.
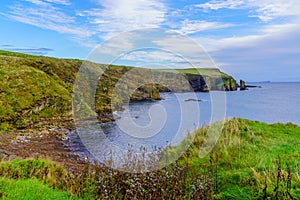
(249, 39)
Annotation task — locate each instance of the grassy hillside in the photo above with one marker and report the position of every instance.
(36, 89)
(252, 160)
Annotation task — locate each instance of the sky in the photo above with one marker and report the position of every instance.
(251, 40)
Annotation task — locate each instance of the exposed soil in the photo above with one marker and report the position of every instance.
(50, 143)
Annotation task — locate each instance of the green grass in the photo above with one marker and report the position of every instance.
(30, 189)
(247, 159)
(212, 72)
(27, 89)
(202, 71)
(9, 53)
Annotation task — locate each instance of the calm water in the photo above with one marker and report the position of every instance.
(274, 102)
(156, 124)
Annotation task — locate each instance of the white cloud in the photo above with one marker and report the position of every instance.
(122, 15)
(156, 56)
(37, 2)
(215, 44)
(271, 55)
(180, 45)
(46, 16)
(265, 10)
(268, 10)
(195, 26)
(263, 33)
(45, 2)
(162, 47)
(280, 28)
(163, 59)
(219, 4)
(118, 45)
(185, 48)
(63, 2)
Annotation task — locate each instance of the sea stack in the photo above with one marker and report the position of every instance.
(242, 85)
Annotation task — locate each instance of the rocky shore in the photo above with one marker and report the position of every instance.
(49, 142)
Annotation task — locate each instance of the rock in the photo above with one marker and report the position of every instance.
(187, 100)
(242, 85)
(154, 94)
(253, 86)
(197, 83)
(230, 85)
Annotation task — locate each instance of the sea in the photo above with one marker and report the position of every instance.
(167, 122)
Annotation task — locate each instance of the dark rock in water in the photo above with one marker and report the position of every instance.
(242, 85)
(253, 86)
(187, 100)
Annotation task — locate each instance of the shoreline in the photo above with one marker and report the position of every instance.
(43, 155)
(56, 143)
(45, 143)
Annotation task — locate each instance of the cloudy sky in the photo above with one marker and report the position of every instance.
(253, 40)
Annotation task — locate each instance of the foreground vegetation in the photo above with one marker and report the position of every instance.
(28, 189)
(252, 160)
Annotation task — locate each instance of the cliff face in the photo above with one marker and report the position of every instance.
(35, 89)
(198, 83)
(201, 83)
(230, 85)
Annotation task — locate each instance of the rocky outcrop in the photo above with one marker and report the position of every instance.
(154, 94)
(230, 85)
(197, 83)
(243, 85)
(148, 92)
(201, 83)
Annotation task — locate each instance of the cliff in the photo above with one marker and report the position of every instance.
(204, 83)
(36, 90)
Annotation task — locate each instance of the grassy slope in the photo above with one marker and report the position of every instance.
(32, 179)
(247, 158)
(35, 88)
(30, 93)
